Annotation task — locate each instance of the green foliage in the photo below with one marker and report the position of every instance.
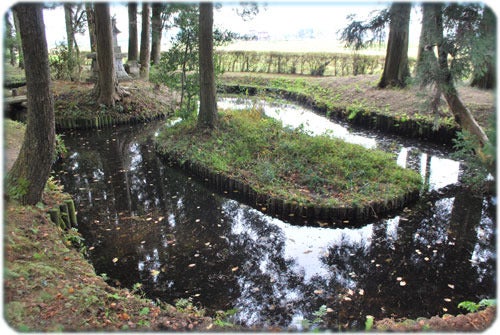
(472, 307)
(223, 318)
(144, 311)
(369, 322)
(17, 188)
(60, 149)
(362, 34)
(184, 305)
(74, 238)
(477, 162)
(179, 66)
(318, 319)
(53, 185)
(63, 65)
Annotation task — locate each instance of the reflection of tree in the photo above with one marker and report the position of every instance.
(424, 272)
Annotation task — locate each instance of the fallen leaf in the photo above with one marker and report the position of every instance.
(124, 316)
(155, 272)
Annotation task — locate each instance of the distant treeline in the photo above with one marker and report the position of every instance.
(306, 63)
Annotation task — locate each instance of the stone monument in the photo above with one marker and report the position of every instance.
(121, 74)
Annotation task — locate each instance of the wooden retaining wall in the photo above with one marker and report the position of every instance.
(103, 121)
(290, 209)
(64, 214)
(416, 129)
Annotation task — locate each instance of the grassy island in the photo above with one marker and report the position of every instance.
(290, 165)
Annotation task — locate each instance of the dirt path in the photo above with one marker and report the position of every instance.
(13, 139)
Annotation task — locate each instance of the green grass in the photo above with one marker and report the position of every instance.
(287, 163)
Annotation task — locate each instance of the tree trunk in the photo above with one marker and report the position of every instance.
(445, 81)
(91, 25)
(132, 32)
(10, 38)
(425, 41)
(396, 69)
(156, 32)
(18, 40)
(70, 36)
(32, 166)
(145, 52)
(208, 116)
(107, 83)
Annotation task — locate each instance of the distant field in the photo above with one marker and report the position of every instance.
(314, 45)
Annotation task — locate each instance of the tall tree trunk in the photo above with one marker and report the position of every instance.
(207, 117)
(70, 36)
(145, 52)
(425, 40)
(156, 32)
(445, 81)
(18, 40)
(32, 166)
(107, 83)
(10, 38)
(91, 25)
(132, 32)
(396, 69)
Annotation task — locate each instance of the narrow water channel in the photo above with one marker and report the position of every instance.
(145, 222)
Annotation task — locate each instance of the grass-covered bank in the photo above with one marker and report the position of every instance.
(358, 100)
(316, 177)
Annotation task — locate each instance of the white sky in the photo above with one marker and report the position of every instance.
(277, 18)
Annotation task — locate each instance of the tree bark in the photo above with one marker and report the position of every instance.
(10, 38)
(145, 52)
(18, 40)
(425, 40)
(107, 83)
(132, 32)
(207, 117)
(396, 69)
(445, 83)
(34, 162)
(70, 36)
(156, 32)
(91, 25)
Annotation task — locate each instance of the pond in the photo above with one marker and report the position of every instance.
(146, 222)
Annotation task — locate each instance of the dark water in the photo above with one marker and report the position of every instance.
(145, 222)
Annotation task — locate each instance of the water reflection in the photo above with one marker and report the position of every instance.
(146, 222)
